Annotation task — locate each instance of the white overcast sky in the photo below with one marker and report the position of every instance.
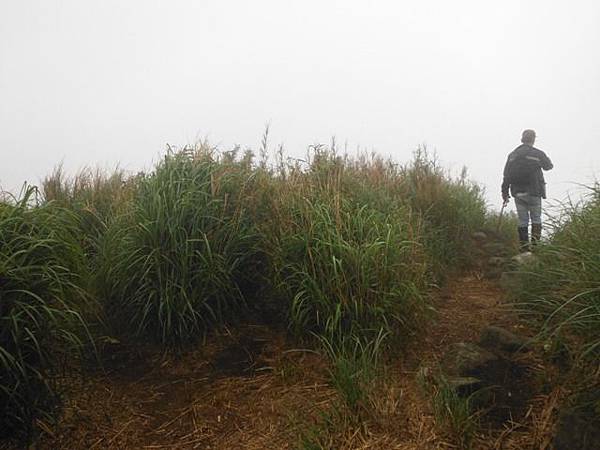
(107, 82)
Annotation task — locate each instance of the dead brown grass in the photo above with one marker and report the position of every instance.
(278, 391)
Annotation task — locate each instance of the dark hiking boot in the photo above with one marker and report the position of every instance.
(536, 233)
(523, 239)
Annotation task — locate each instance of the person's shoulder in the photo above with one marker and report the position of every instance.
(517, 151)
(538, 151)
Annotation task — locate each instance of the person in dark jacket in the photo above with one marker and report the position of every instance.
(528, 193)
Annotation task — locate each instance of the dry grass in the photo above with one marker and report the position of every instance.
(146, 401)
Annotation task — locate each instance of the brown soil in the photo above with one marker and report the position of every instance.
(252, 388)
(239, 391)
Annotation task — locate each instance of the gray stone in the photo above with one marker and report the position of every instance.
(479, 236)
(468, 360)
(464, 386)
(496, 338)
(479, 393)
(496, 261)
(502, 384)
(524, 258)
(495, 248)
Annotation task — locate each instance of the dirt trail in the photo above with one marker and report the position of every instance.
(242, 390)
(464, 308)
(251, 389)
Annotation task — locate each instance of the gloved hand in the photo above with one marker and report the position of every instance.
(505, 198)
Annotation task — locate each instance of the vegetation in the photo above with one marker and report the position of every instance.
(451, 208)
(95, 196)
(43, 283)
(455, 413)
(354, 368)
(560, 292)
(344, 249)
(354, 250)
(175, 262)
(562, 287)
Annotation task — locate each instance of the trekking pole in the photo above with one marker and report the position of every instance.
(504, 203)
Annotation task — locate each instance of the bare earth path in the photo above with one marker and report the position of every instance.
(464, 308)
(251, 389)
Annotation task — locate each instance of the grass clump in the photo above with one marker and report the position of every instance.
(361, 240)
(455, 413)
(355, 364)
(340, 246)
(560, 292)
(350, 270)
(43, 281)
(99, 192)
(562, 288)
(452, 210)
(175, 263)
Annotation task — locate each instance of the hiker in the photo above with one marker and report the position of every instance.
(523, 175)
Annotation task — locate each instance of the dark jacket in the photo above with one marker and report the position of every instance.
(537, 185)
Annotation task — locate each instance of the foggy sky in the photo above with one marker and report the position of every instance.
(107, 82)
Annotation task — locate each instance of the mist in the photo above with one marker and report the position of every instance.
(106, 83)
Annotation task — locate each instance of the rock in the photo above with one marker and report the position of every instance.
(480, 394)
(496, 261)
(468, 360)
(464, 386)
(479, 236)
(495, 248)
(498, 383)
(496, 338)
(524, 258)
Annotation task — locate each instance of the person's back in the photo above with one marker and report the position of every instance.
(524, 179)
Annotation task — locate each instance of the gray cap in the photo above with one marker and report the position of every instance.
(528, 137)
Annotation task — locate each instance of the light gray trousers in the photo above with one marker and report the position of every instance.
(528, 207)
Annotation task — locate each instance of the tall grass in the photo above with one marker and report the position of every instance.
(42, 285)
(354, 367)
(452, 209)
(344, 248)
(96, 196)
(97, 191)
(360, 240)
(174, 264)
(454, 412)
(347, 243)
(352, 269)
(562, 289)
